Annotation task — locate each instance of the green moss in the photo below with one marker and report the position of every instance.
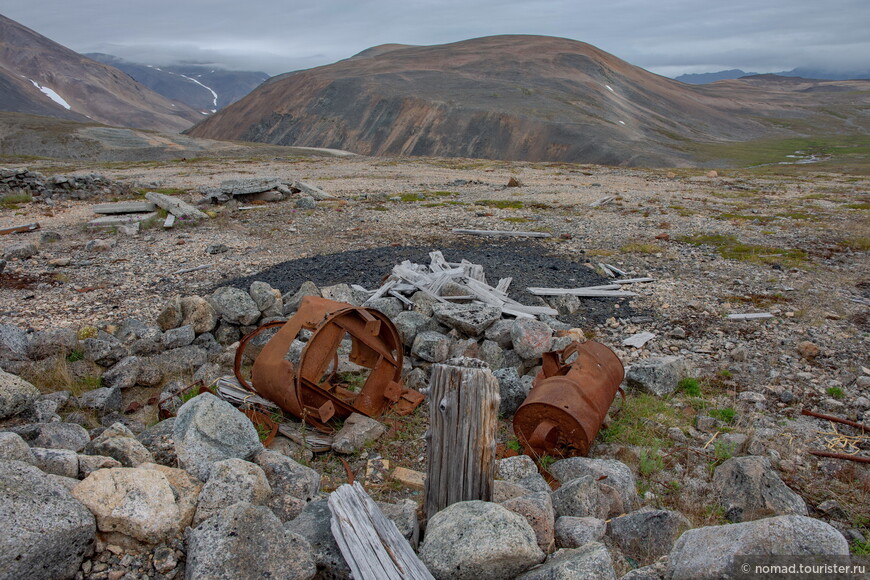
(835, 392)
(501, 203)
(729, 247)
(690, 386)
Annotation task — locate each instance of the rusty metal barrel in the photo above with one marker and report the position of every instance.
(568, 401)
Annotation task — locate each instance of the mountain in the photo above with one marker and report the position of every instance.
(803, 72)
(531, 98)
(704, 78)
(204, 88)
(41, 77)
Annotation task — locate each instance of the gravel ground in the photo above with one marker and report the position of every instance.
(801, 256)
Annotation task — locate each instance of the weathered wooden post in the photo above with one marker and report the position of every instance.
(463, 414)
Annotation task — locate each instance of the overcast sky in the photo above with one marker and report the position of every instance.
(668, 37)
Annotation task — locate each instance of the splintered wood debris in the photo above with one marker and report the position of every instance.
(408, 278)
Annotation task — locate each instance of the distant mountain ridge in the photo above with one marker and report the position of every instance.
(803, 72)
(39, 76)
(205, 88)
(519, 97)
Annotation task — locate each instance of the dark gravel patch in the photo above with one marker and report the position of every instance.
(528, 263)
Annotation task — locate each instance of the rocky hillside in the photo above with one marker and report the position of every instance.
(204, 88)
(512, 97)
(41, 77)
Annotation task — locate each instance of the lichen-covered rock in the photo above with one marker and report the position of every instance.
(657, 375)
(14, 448)
(431, 346)
(135, 502)
(16, 395)
(537, 508)
(247, 542)
(198, 313)
(588, 562)
(119, 443)
(471, 319)
(51, 342)
(709, 552)
(607, 471)
(749, 488)
(235, 305)
(208, 429)
(46, 532)
(231, 481)
(573, 532)
(531, 338)
(647, 534)
(287, 476)
(61, 462)
(123, 374)
(581, 497)
(478, 540)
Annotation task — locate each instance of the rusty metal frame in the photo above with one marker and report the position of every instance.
(569, 400)
(312, 392)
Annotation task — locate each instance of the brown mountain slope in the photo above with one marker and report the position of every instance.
(91, 90)
(504, 97)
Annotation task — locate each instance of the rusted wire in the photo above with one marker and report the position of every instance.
(836, 420)
(857, 458)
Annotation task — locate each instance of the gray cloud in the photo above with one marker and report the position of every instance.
(668, 37)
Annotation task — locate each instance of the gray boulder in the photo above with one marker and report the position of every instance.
(159, 440)
(181, 360)
(287, 476)
(709, 552)
(392, 307)
(231, 481)
(573, 532)
(500, 332)
(356, 432)
(267, 299)
(513, 389)
(16, 395)
(103, 400)
(404, 515)
(124, 374)
(51, 342)
(478, 540)
(170, 316)
(291, 301)
(515, 468)
(13, 347)
(492, 354)
(46, 532)
(607, 471)
(20, 251)
(409, 323)
(471, 319)
(105, 351)
(231, 545)
(208, 429)
(588, 562)
(647, 534)
(178, 337)
(581, 497)
(61, 462)
(657, 375)
(749, 489)
(340, 293)
(119, 443)
(531, 338)
(537, 508)
(431, 346)
(313, 524)
(235, 305)
(14, 448)
(56, 436)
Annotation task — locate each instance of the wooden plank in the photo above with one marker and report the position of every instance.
(195, 269)
(581, 292)
(502, 233)
(602, 201)
(634, 280)
(607, 271)
(639, 339)
(616, 270)
(312, 191)
(750, 316)
(369, 541)
(463, 418)
(503, 285)
(124, 207)
(169, 222)
(175, 206)
(20, 229)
